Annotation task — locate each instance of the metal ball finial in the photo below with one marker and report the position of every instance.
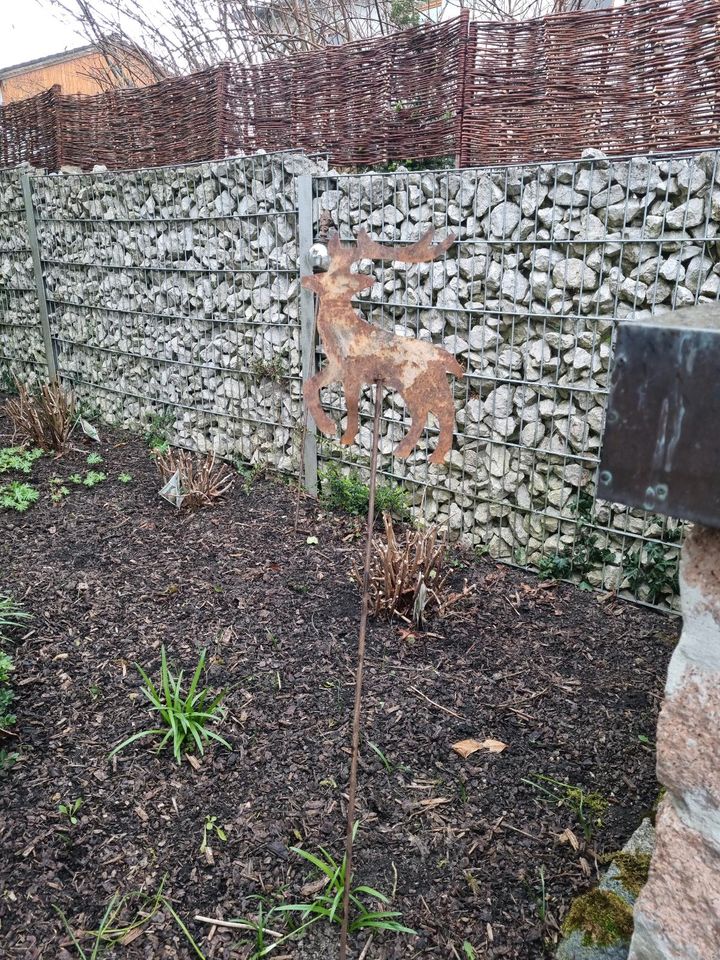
(318, 257)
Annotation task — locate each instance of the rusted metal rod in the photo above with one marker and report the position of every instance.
(352, 787)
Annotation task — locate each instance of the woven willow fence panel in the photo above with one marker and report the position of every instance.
(642, 77)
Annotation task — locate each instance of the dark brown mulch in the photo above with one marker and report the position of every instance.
(568, 680)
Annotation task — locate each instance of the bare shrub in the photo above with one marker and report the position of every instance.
(202, 479)
(44, 418)
(408, 576)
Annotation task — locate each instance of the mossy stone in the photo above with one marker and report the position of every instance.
(632, 871)
(602, 917)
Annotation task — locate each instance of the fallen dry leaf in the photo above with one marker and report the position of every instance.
(465, 748)
(567, 836)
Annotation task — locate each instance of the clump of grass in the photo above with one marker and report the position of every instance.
(587, 805)
(17, 496)
(12, 617)
(18, 459)
(347, 492)
(44, 418)
(408, 575)
(326, 905)
(202, 479)
(124, 916)
(185, 716)
(7, 719)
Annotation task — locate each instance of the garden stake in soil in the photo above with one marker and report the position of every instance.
(352, 787)
(358, 353)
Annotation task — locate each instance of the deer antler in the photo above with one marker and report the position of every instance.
(419, 252)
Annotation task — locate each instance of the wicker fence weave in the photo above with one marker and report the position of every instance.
(29, 131)
(639, 78)
(644, 77)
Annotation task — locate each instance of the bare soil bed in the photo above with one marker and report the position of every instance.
(568, 680)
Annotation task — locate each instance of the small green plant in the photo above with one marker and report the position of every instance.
(94, 459)
(156, 434)
(211, 826)
(8, 759)
(654, 571)
(588, 806)
(272, 369)
(19, 459)
(122, 918)
(381, 756)
(12, 617)
(542, 896)
(125, 477)
(71, 809)
(585, 554)
(185, 716)
(93, 478)
(7, 719)
(469, 950)
(17, 496)
(349, 493)
(58, 490)
(326, 905)
(249, 473)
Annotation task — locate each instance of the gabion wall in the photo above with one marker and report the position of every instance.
(22, 351)
(173, 300)
(548, 258)
(173, 296)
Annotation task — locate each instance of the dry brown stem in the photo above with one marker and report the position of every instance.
(45, 418)
(202, 479)
(408, 576)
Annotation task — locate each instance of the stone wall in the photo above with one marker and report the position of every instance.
(174, 293)
(677, 916)
(173, 297)
(549, 257)
(22, 352)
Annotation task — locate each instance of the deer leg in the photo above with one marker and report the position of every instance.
(418, 420)
(311, 392)
(445, 412)
(352, 387)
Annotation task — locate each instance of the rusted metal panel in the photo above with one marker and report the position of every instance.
(662, 437)
(360, 353)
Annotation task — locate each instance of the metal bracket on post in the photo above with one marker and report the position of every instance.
(307, 326)
(39, 280)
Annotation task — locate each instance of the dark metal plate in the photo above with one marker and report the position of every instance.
(661, 448)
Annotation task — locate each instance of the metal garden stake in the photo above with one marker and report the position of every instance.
(359, 353)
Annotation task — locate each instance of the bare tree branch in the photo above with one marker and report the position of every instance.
(170, 37)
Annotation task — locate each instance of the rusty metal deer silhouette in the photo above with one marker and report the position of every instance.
(359, 352)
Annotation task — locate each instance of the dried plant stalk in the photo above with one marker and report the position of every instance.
(44, 418)
(407, 576)
(202, 479)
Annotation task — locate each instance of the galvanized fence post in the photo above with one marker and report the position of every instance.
(39, 280)
(307, 326)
